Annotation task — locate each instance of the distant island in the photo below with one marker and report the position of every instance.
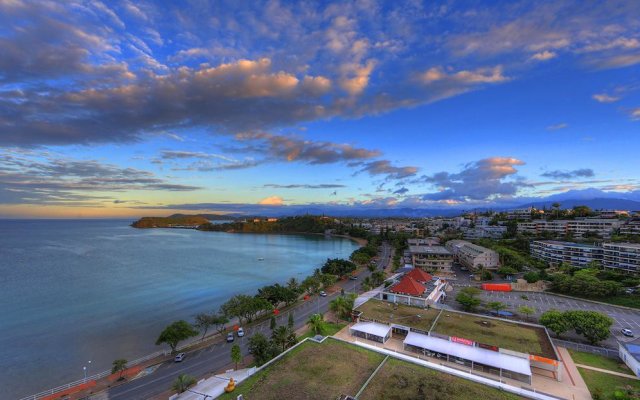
(298, 224)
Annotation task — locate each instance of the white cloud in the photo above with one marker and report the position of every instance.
(272, 201)
(544, 55)
(605, 98)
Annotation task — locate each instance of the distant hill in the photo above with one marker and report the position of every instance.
(167, 222)
(594, 204)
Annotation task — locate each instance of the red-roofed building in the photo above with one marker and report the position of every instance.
(419, 275)
(408, 286)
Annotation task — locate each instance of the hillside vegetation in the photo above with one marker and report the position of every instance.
(168, 222)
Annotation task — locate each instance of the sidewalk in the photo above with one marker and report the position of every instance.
(607, 371)
(573, 375)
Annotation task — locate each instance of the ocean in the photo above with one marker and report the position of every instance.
(74, 291)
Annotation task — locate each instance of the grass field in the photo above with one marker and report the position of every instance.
(598, 361)
(495, 332)
(312, 371)
(403, 315)
(603, 386)
(401, 380)
(330, 329)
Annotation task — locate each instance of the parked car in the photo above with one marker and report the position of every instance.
(627, 332)
(353, 278)
(230, 337)
(323, 294)
(179, 357)
(240, 332)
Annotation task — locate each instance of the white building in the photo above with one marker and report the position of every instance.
(556, 252)
(431, 258)
(473, 256)
(630, 354)
(623, 257)
(578, 227)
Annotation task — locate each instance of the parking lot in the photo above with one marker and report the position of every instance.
(541, 302)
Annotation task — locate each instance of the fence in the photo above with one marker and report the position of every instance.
(95, 377)
(611, 353)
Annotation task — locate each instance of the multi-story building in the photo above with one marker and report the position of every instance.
(577, 227)
(429, 241)
(473, 256)
(521, 213)
(488, 231)
(556, 252)
(431, 258)
(631, 227)
(621, 256)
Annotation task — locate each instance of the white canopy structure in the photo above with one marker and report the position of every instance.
(476, 354)
(369, 329)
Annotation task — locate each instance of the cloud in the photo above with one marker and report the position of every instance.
(635, 114)
(401, 191)
(474, 77)
(271, 201)
(480, 180)
(557, 126)
(544, 56)
(304, 186)
(578, 173)
(605, 98)
(42, 179)
(295, 148)
(384, 167)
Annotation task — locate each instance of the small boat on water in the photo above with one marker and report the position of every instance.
(260, 258)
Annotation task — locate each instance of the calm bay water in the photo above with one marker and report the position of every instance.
(73, 291)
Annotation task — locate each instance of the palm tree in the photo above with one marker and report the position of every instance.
(342, 306)
(281, 336)
(293, 284)
(119, 365)
(316, 323)
(183, 382)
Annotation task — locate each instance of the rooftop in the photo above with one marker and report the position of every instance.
(429, 249)
(404, 315)
(408, 285)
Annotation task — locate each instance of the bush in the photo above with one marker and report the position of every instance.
(531, 277)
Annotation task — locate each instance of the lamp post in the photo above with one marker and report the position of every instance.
(85, 373)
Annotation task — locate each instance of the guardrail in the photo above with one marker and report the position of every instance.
(95, 377)
(603, 351)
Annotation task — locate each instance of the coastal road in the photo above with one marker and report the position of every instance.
(216, 357)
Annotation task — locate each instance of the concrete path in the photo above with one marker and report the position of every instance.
(607, 371)
(580, 389)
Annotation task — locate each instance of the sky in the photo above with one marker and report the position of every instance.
(132, 108)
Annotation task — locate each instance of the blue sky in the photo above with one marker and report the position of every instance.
(133, 108)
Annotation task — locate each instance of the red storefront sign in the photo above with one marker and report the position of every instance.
(488, 347)
(462, 341)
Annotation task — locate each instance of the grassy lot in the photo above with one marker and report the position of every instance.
(403, 315)
(330, 329)
(494, 332)
(312, 371)
(401, 380)
(603, 386)
(598, 361)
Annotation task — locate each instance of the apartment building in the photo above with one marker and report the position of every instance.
(631, 227)
(431, 258)
(621, 256)
(557, 252)
(578, 227)
(473, 256)
(493, 232)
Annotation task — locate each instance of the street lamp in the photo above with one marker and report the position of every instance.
(85, 373)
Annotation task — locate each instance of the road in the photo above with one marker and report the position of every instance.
(216, 357)
(541, 302)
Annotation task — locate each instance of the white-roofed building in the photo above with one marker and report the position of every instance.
(371, 331)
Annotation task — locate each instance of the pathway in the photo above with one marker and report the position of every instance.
(608, 371)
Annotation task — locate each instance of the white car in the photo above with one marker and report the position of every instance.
(179, 357)
(323, 294)
(627, 332)
(240, 332)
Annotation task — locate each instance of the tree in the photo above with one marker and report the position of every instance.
(531, 277)
(526, 311)
(261, 348)
(342, 306)
(272, 323)
(316, 323)
(328, 280)
(220, 321)
(497, 306)
(372, 267)
(236, 354)
(119, 365)
(467, 298)
(175, 333)
(311, 284)
(203, 322)
(246, 308)
(283, 336)
(290, 321)
(183, 382)
(594, 326)
(555, 321)
(338, 267)
(292, 284)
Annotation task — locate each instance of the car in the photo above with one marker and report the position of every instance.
(240, 332)
(230, 337)
(353, 278)
(323, 294)
(179, 357)
(627, 332)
